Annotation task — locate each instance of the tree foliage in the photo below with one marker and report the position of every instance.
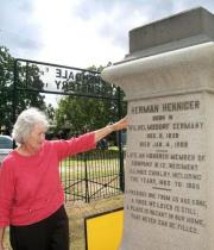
(18, 100)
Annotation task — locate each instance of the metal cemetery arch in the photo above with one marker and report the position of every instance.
(34, 77)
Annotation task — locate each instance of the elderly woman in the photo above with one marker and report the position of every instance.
(31, 194)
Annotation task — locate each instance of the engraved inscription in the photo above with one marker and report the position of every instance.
(166, 159)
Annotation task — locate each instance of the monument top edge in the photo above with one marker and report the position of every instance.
(174, 16)
(187, 28)
(194, 54)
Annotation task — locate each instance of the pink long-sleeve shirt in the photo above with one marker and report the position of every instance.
(30, 187)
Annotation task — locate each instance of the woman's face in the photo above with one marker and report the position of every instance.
(36, 138)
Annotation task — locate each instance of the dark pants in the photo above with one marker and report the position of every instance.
(49, 234)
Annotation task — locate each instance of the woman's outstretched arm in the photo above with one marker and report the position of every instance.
(117, 126)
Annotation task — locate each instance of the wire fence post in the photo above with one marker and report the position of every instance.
(87, 196)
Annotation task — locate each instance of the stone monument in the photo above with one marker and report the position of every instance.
(168, 78)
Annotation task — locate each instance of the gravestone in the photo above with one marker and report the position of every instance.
(168, 78)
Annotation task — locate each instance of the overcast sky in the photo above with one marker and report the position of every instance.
(80, 33)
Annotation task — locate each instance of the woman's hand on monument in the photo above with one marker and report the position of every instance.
(103, 132)
(121, 124)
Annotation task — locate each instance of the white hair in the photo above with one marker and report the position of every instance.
(26, 122)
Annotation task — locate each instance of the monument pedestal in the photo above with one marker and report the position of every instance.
(169, 175)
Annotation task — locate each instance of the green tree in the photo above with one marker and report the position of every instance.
(27, 77)
(6, 91)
